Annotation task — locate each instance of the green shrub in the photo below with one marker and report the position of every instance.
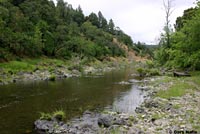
(76, 67)
(150, 63)
(141, 71)
(45, 116)
(52, 78)
(154, 72)
(51, 69)
(60, 115)
(131, 118)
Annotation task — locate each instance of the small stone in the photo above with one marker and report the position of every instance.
(139, 110)
(126, 127)
(119, 122)
(182, 126)
(143, 116)
(180, 119)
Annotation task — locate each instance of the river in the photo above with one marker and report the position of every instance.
(21, 103)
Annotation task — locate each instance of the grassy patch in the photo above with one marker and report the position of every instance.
(176, 106)
(15, 66)
(115, 131)
(176, 90)
(196, 127)
(31, 64)
(157, 116)
(194, 80)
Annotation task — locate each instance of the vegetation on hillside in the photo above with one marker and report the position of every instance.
(40, 28)
(143, 49)
(183, 49)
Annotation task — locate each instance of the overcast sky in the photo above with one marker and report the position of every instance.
(143, 20)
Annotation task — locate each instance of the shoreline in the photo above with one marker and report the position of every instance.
(162, 114)
(50, 71)
(154, 115)
(158, 115)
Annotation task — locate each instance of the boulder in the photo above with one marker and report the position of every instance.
(50, 127)
(105, 120)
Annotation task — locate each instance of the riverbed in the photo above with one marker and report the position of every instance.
(21, 103)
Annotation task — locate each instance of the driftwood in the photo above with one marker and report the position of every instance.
(179, 74)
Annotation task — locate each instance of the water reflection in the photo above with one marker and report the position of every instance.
(128, 101)
(21, 103)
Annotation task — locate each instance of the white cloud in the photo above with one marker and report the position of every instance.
(143, 20)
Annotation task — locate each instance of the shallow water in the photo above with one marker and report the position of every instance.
(20, 104)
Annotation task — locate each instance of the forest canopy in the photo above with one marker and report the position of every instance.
(34, 28)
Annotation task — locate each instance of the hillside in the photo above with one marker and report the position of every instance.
(32, 29)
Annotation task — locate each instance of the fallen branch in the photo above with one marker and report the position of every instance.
(180, 74)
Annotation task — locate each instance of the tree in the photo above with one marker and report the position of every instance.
(184, 49)
(78, 16)
(111, 26)
(17, 2)
(64, 12)
(102, 21)
(61, 8)
(168, 11)
(187, 15)
(93, 19)
(30, 28)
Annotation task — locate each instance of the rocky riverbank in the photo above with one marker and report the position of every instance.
(57, 73)
(170, 114)
(155, 115)
(52, 71)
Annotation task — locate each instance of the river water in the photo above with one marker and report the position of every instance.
(20, 104)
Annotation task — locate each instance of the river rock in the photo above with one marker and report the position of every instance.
(89, 70)
(151, 103)
(105, 120)
(51, 127)
(168, 107)
(124, 83)
(134, 81)
(145, 88)
(139, 110)
(119, 121)
(65, 75)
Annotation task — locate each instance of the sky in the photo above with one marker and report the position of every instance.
(143, 20)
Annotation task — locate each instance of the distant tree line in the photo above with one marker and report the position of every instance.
(34, 28)
(144, 50)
